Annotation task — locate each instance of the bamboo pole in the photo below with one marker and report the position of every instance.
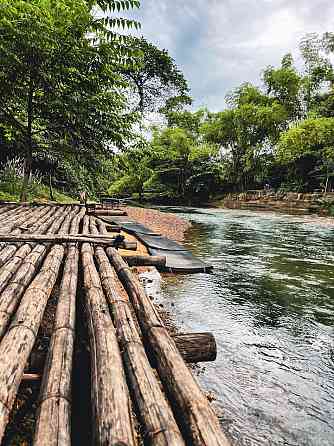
(12, 213)
(141, 260)
(112, 421)
(55, 394)
(8, 211)
(19, 340)
(10, 297)
(15, 256)
(155, 414)
(17, 220)
(107, 212)
(79, 238)
(4, 208)
(9, 250)
(194, 411)
(196, 347)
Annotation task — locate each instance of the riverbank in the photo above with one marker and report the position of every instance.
(163, 223)
(290, 202)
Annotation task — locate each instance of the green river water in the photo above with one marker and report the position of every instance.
(270, 305)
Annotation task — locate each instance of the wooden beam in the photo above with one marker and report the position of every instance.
(63, 238)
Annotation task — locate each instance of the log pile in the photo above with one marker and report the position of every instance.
(140, 383)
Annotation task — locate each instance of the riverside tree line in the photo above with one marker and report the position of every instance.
(78, 93)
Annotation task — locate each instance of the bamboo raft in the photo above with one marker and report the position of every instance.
(141, 390)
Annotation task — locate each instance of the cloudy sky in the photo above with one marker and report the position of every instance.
(219, 44)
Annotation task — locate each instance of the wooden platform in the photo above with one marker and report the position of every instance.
(66, 291)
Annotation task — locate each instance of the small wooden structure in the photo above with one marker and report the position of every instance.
(139, 382)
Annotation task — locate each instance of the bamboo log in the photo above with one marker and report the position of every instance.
(31, 377)
(78, 238)
(196, 347)
(107, 212)
(17, 220)
(7, 212)
(55, 394)
(12, 213)
(19, 340)
(16, 256)
(194, 410)
(140, 260)
(153, 410)
(4, 208)
(10, 297)
(110, 399)
(9, 250)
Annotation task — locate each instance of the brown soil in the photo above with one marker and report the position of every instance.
(163, 223)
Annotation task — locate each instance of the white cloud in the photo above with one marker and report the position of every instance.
(221, 43)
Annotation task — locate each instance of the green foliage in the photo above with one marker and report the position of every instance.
(134, 171)
(59, 88)
(11, 179)
(156, 79)
(311, 136)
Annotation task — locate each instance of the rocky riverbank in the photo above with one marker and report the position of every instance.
(293, 202)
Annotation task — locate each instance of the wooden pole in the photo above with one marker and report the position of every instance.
(36, 221)
(194, 411)
(155, 414)
(112, 420)
(64, 238)
(16, 257)
(10, 297)
(196, 347)
(140, 260)
(19, 340)
(55, 394)
(107, 212)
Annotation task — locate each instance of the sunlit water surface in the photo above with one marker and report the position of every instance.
(270, 305)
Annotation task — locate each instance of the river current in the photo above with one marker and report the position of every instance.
(270, 304)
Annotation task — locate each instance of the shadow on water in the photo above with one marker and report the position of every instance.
(270, 304)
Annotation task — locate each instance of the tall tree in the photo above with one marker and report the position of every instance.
(156, 79)
(59, 86)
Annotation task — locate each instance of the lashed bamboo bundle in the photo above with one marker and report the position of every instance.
(12, 294)
(4, 208)
(16, 254)
(154, 411)
(15, 212)
(194, 411)
(32, 222)
(55, 394)
(7, 211)
(17, 220)
(110, 399)
(18, 342)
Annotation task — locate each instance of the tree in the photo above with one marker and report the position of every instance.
(156, 79)
(134, 170)
(59, 85)
(245, 135)
(182, 162)
(283, 85)
(311, 137)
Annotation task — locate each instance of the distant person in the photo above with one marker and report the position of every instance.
(83, 197)
(267, 187)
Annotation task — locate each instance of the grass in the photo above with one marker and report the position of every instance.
(39, 193)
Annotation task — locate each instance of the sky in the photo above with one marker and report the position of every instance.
(219, 44)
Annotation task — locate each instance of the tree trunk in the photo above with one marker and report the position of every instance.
(28, 150)
(27, 174)
(50, 187)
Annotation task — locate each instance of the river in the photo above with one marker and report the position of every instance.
(270, 305)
